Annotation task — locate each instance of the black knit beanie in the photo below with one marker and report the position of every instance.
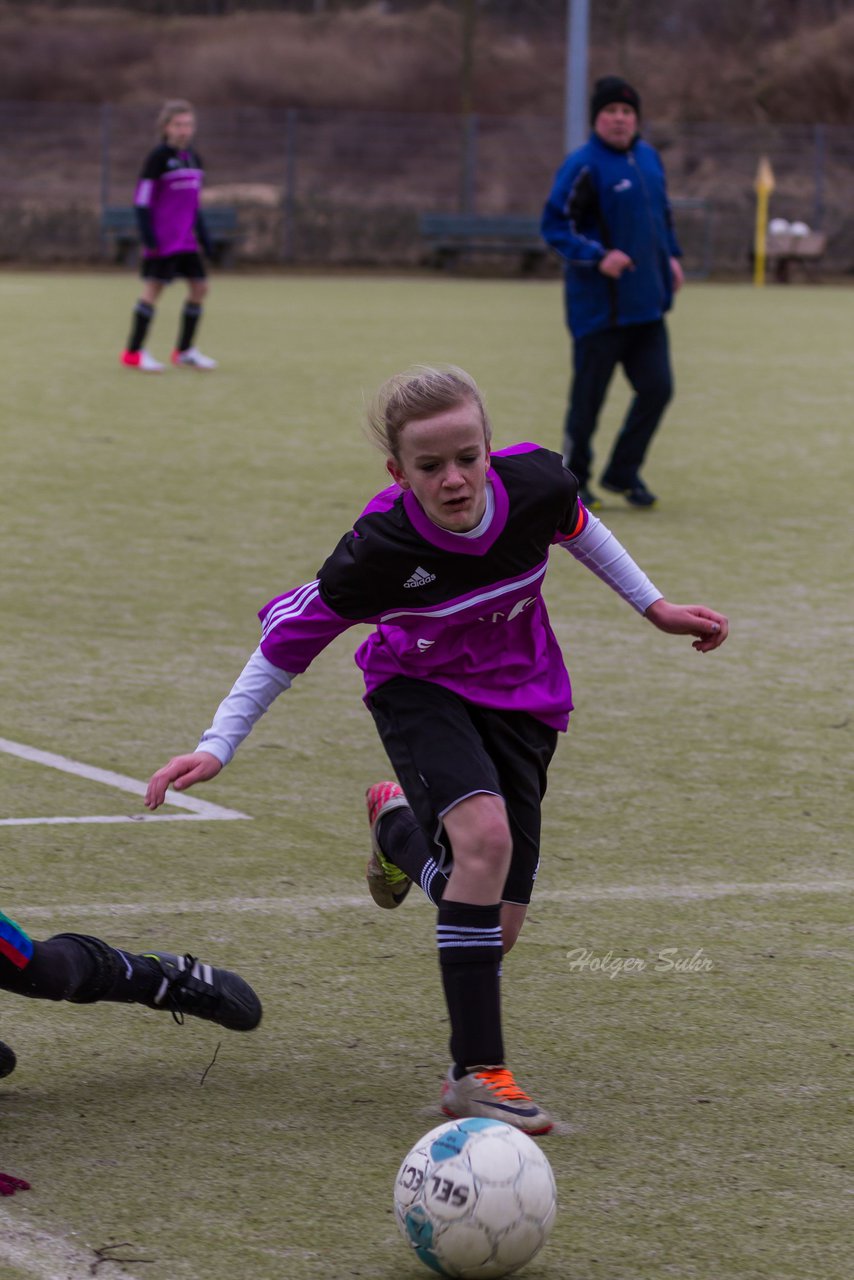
(612, 89)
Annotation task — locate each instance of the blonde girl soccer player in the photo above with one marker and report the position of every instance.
(172, 231)
(464, 679)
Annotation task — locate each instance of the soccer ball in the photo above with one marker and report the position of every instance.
(475, 1199)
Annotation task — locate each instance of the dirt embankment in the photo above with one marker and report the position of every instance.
(379, 57)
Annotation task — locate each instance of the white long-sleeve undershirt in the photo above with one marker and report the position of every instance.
(253, 692)
(260, 682)
(603, 554)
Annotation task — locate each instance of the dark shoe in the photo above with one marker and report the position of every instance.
(194, 988)
(636, 494)
(8, 1061)
(589, 498)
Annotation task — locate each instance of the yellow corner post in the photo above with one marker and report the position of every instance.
(763, 186)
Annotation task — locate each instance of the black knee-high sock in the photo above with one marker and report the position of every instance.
(190, 317)
(55, 971)
(404, 842)
(82, 969)
(469, 941)
(143, 314)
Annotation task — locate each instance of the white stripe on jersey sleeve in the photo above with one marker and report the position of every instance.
(254, 692)
(291, 606)
(603, 554)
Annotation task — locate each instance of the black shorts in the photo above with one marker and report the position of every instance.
(444, 749)
(165, 269)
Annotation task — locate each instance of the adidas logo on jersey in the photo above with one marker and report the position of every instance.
(420, 578)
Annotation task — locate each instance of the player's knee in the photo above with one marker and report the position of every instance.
(655, 394)
(660, 387)
(487, 847)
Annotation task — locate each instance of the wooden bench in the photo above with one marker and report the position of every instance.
(450, 236)
(785, 250)
(119, 226)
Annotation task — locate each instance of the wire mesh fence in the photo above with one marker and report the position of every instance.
(333, 187)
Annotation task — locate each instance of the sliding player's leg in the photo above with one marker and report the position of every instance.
(84, 970)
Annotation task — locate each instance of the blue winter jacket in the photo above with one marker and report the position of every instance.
(607, 199)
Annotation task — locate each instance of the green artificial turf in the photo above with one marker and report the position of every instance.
(700, 806)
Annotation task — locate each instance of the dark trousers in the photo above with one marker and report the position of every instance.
(643, 351)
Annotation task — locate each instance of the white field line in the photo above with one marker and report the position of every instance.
(118, 817)
(198, 809)
(311, 904)
(38, 1255)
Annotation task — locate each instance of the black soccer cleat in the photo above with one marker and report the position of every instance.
(198, 990)
(8, 1061)
(636, 493)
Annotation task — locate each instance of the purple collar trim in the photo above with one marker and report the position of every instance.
(447, 541)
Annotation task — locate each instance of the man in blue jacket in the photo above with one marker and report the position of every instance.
(608, 216)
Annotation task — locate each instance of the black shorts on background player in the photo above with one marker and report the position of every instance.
(190, 266)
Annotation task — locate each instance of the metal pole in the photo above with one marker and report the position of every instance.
(577, 41)
(289, 195)
(469, 174)
(468, 25)
(106, 130)
(818, 199)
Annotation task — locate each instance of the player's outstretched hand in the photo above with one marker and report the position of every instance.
(181, 772)
(711, 628)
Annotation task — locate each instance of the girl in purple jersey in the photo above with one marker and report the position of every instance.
(172, 230)
(464, 679)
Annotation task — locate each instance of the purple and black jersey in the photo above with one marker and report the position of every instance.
(463, 612)
(170, 188)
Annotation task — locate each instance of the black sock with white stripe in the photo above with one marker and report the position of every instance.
(404, 842)
(118, 976)
(143, 314)
(138, 980)
(469, 941)
(190, 317)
